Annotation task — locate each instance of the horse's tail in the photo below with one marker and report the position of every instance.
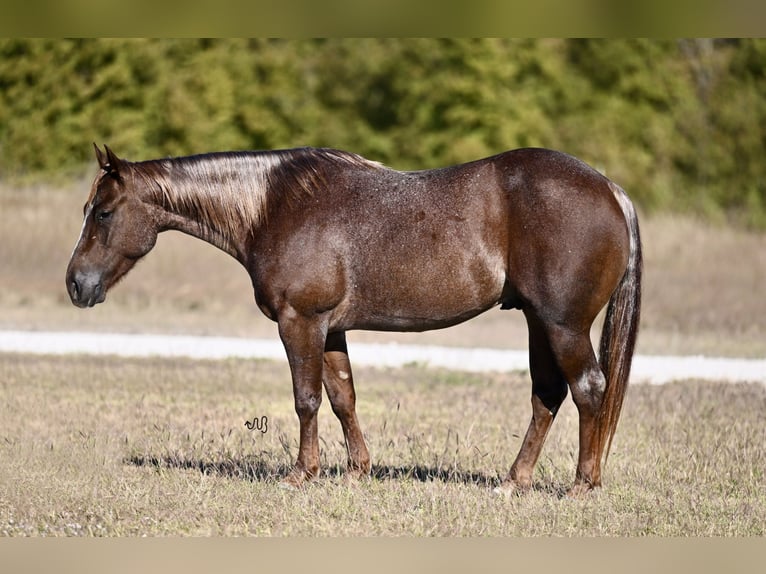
(618, 337)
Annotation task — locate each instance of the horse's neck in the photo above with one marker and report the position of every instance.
(220, 201)
(178, 220)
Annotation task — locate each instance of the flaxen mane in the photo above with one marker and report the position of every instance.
(231, 190)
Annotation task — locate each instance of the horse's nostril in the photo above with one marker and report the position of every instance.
(75, 289)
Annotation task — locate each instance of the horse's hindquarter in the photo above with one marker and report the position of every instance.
(568, 238)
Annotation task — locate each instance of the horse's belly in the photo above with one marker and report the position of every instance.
(406, 321)
(424, 296)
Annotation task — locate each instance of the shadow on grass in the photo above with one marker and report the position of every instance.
(455, 476)
(258, 470)
(247, 469)
(431, 474)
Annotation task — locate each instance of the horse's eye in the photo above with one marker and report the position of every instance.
(103, 216)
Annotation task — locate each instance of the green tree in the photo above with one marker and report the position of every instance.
(679, 123)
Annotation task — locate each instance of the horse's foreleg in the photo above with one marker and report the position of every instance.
(549, 390)
(304, 342)
(339, 384)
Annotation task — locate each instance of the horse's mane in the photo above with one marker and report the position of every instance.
(227, 191)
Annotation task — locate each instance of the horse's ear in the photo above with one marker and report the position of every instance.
(102, 161)
(114, 161)
(111, 163)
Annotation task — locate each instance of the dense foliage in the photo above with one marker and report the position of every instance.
(681, 124)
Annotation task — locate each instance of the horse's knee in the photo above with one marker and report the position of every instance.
(307, 405)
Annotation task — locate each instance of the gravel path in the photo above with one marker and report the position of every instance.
(650, 369)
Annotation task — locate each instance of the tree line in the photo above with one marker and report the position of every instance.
(680, 124)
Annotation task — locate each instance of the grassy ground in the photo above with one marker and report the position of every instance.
(104, 446)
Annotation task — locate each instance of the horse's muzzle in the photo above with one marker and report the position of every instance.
(85, 289)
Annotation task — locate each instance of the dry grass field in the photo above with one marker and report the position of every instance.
(99, 446)
(110, 447)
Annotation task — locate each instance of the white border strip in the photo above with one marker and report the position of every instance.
(651, 369)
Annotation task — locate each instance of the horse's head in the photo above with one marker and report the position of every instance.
(118, 229)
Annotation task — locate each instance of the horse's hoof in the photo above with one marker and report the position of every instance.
(355, 473)
(509, 489)
(581, 490)
(294, 481)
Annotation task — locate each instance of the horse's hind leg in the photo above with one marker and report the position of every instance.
(339, 384)
(549, 390)
(577, 361)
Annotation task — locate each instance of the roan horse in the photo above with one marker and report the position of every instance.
(335, 242)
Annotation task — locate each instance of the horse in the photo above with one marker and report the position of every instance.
(335, 242)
